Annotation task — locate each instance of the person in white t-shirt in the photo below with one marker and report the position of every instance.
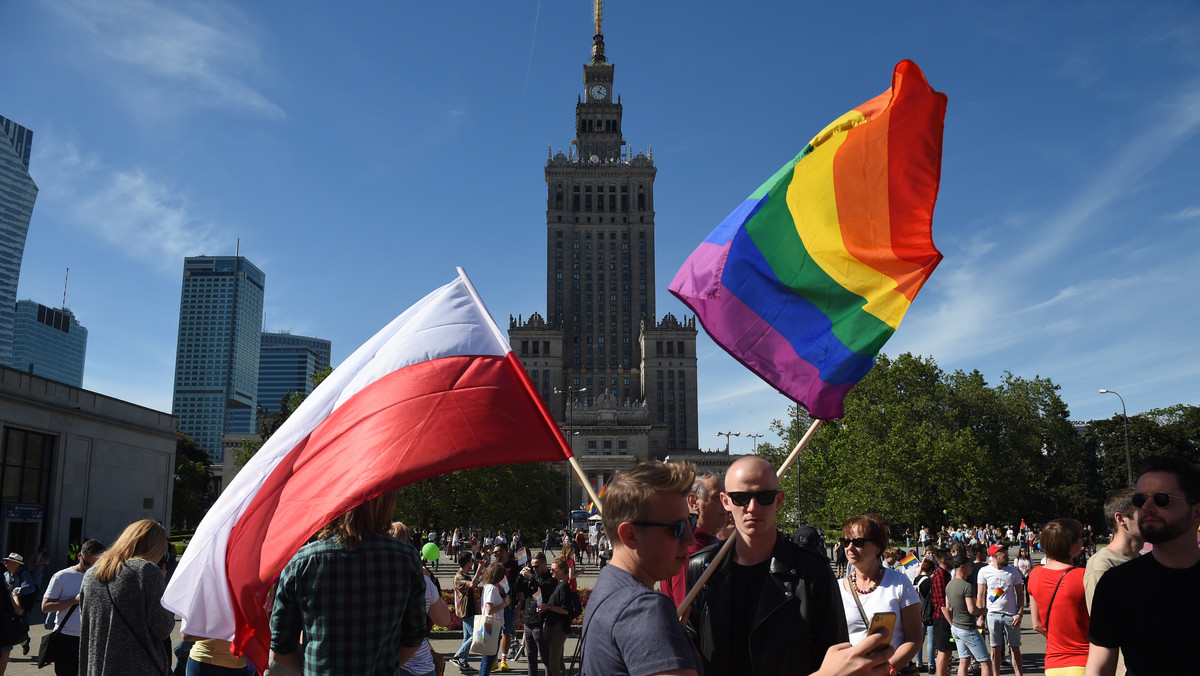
(870, 587)
(1001, 588)
(62, 597)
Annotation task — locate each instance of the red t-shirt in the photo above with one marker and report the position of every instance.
(1067, 644)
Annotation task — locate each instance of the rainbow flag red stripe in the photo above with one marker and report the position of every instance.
(807, 279)
(909, 561)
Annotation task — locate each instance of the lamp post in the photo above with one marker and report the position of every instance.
(570, 392)
(1125, 416)
(727, 435)
(755, 437)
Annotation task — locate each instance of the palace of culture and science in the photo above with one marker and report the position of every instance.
(620, 382)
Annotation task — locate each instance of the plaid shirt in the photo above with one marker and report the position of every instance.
(356, 609)
(941, 577)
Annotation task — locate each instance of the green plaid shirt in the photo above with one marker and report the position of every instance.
(356, 609)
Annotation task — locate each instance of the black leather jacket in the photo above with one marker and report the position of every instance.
(799, 613)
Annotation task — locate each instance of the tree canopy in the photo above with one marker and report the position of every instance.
(923, 447)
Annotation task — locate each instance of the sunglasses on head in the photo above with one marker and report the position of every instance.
(742, 498)
(677, 528)
(1161, 499)
(857, 542)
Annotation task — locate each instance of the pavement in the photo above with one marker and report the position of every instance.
(1033, 644)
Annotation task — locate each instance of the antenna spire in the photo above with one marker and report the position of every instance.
(598, 38)
(65, 277)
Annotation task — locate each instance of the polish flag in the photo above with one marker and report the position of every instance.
(437, 390)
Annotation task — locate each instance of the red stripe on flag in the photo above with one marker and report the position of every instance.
(421, 421)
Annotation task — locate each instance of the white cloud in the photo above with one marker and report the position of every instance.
(141, 217)
(178, 55)
(1187, 214)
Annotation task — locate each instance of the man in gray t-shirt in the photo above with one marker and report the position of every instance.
(629, 628)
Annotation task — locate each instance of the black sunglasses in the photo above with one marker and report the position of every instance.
(742, 498)
(857, 542)
(677, 528)
(1161, 499)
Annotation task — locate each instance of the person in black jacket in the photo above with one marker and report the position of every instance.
(771, 607)
(535, 585)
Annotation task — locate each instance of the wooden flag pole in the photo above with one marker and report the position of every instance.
(712, 567)
(587, 484)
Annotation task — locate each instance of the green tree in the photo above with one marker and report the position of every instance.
(511, 497)
(192, 494)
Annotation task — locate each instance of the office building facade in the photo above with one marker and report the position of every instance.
(217, 353)
(620, 381)
(49, 342)
(17, 195)
(285, 365)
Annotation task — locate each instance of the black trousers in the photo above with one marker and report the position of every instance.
(66, 655)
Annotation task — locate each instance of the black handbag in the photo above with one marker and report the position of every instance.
(48, 644)
(15, 629)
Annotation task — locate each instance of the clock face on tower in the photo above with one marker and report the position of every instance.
(598, 92)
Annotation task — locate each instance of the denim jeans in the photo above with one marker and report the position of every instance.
(928, 655)
(464, 651)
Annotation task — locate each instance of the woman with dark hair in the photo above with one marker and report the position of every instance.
(1057, 600)
(1024, 564)
(493, 600)
(122, 623)
(871, 587)
(924, 586)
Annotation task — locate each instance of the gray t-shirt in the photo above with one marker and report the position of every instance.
(957, 593)
(630, 629)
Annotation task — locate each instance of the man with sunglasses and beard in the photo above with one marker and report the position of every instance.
(62, 597)
(1146, 608)
(771, 607)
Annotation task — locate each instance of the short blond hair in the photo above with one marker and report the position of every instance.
(629, 491)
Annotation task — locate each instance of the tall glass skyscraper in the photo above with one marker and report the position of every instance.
(49, 342)
(216, 358)
(285, 364)
(17, 194)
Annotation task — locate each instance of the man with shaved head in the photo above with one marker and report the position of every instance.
(771, 607)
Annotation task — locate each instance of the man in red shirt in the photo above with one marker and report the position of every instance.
(705, 502)
(937, 596)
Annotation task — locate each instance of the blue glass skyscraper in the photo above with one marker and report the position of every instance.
(216, 358)
(17, 195)
(49, 342)
(285, 364)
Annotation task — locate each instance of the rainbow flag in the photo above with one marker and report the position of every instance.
(909, 561)
(807, 279)
(995, 595)
(591, 506)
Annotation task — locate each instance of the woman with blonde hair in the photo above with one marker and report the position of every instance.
(123, 625)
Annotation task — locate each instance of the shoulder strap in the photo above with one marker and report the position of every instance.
(862, 613)
(1050, 605)
(132, 630)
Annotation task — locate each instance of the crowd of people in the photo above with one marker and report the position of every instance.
(699, 580)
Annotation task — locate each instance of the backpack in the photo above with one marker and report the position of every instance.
(928, 612)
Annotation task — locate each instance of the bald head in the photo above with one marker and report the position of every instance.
(750, 469)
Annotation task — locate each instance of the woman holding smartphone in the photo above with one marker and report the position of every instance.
(870, 588)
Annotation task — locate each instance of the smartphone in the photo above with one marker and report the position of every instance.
(883, 623)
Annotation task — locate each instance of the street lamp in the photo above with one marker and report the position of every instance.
(755, 437)
(727, 435)
(1128, 459)
(570, 392)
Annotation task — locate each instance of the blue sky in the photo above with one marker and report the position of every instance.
(360, 154)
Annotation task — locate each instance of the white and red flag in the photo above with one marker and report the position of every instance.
(437, 390)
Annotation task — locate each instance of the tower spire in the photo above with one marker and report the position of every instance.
(598, 38)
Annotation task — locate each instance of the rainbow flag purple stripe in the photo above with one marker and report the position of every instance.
(807, 279)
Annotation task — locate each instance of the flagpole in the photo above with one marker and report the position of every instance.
(587, 484)
(712, 567)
